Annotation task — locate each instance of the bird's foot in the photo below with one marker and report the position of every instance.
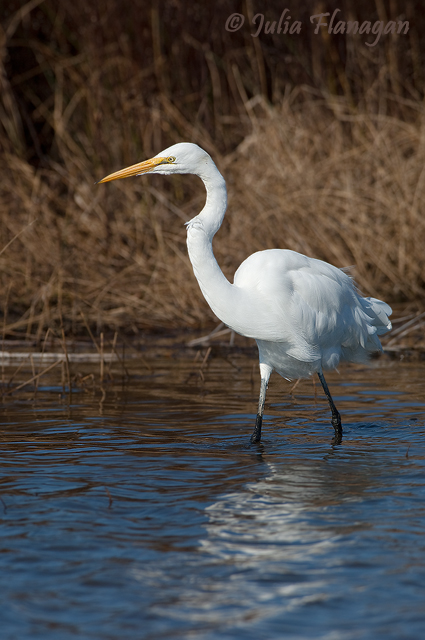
(337, 439)
(256, 435)
(336, 423)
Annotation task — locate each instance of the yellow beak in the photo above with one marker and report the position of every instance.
(135, 169)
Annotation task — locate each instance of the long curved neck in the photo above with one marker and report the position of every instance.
(217, 290)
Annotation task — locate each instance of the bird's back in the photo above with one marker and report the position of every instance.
(307, 313)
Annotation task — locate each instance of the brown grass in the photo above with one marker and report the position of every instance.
(332, 167)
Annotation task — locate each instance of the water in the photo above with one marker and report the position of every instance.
(140, 511)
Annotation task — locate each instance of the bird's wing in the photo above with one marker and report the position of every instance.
(310, 305)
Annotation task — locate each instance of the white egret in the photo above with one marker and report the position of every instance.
(305, 315)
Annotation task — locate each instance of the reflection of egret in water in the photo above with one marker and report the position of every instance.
(311, 547)
(259, 522)
(270, 550)
(273, 541)
(307, 545)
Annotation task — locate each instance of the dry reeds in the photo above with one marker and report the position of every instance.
(324, 158)
(341, 186)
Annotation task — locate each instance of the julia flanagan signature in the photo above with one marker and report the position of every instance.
(283, 26)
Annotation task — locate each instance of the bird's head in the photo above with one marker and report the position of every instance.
(183, 157)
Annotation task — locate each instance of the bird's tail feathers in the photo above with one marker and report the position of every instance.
(378, 312)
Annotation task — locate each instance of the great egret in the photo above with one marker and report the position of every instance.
(305, 315)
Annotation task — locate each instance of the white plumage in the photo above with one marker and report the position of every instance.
(305, 314)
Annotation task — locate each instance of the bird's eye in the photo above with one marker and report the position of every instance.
(171, 159)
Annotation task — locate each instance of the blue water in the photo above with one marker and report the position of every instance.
(141, 511)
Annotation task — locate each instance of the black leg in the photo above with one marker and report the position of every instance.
(336, 418)
(256, 436)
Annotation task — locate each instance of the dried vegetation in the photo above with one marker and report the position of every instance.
(321, 140)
